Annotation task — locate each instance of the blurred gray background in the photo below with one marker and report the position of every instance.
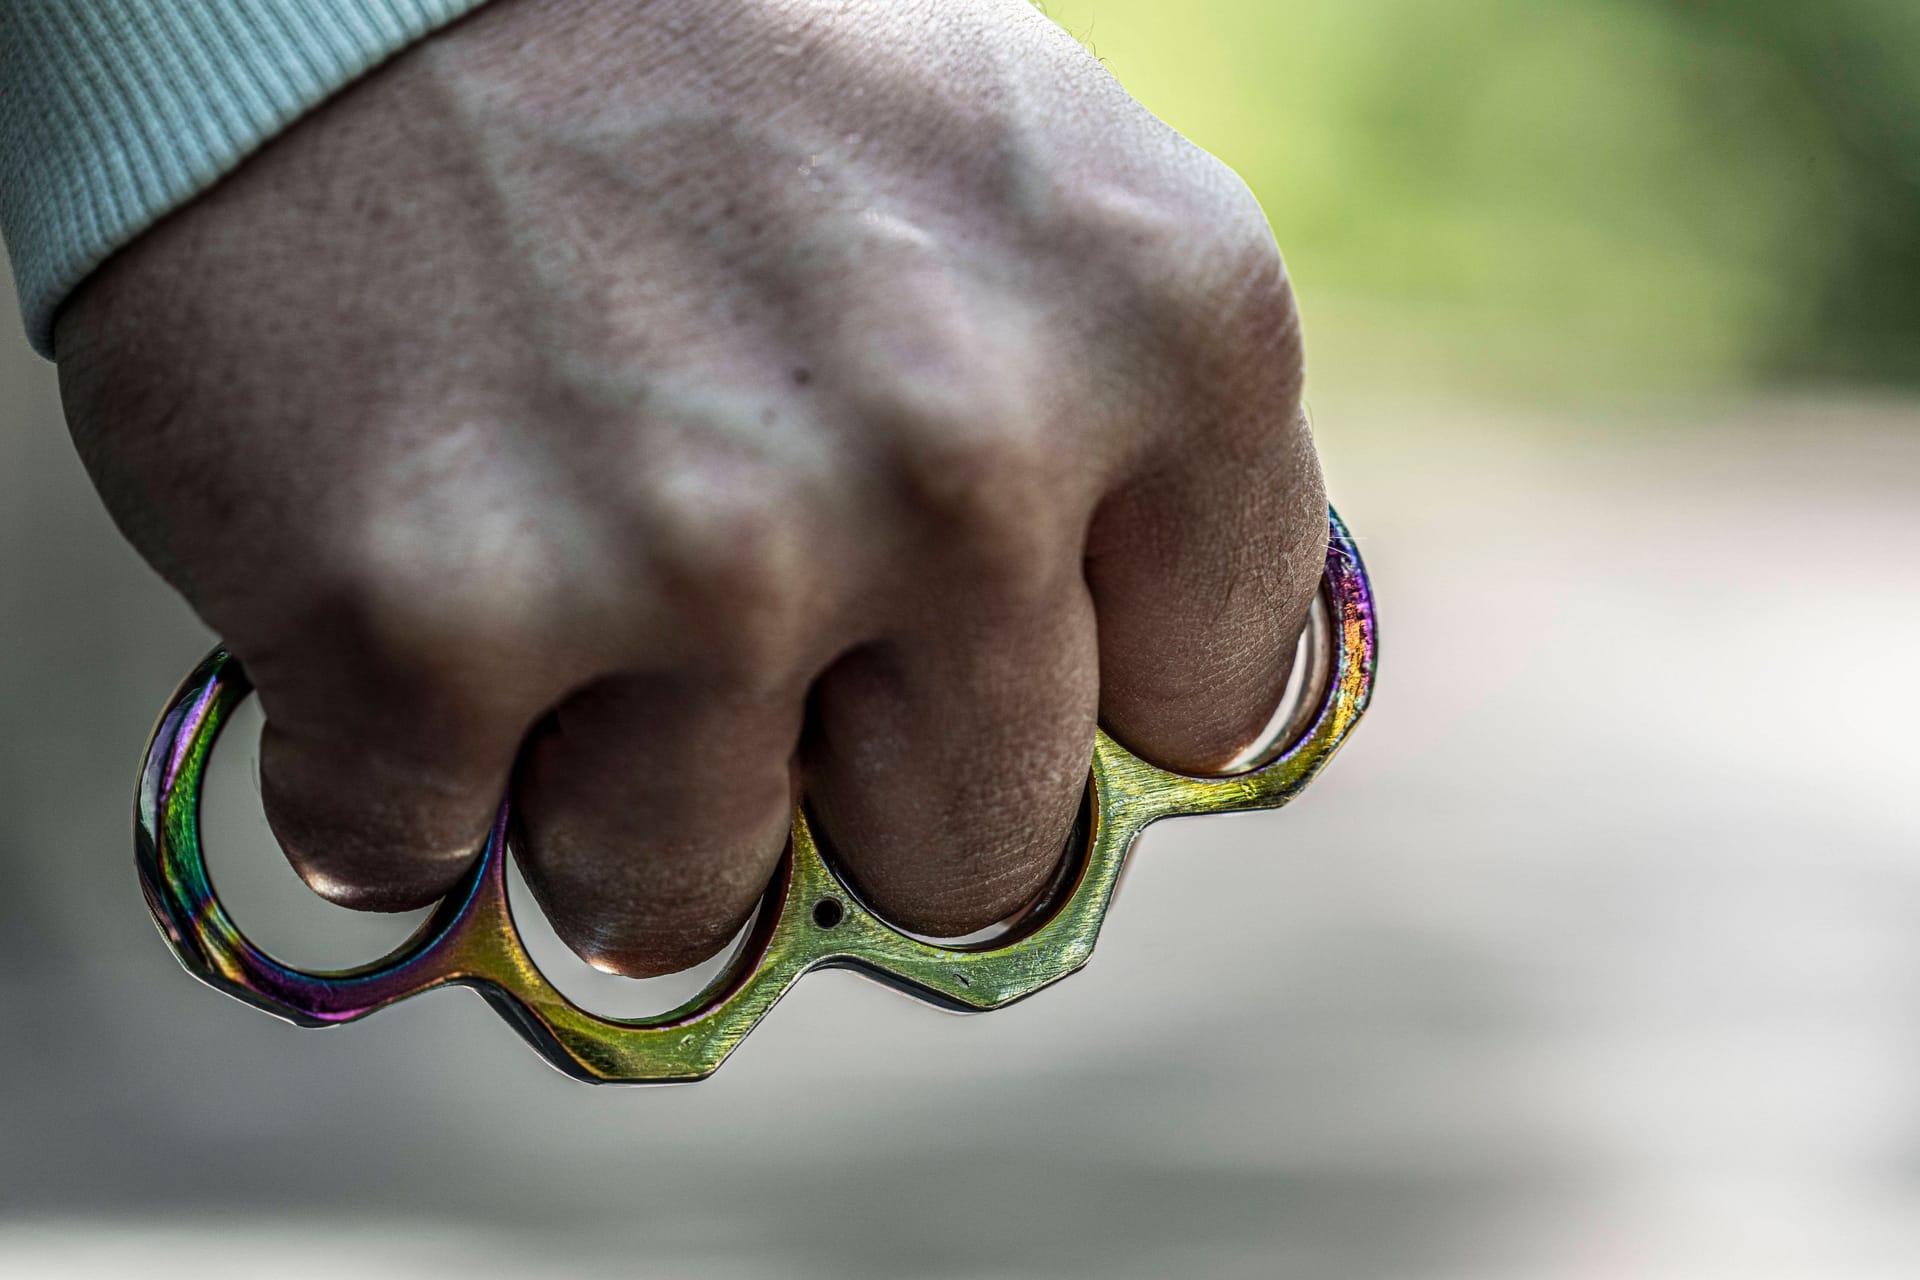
(1595, 957)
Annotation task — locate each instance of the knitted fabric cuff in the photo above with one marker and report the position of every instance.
(113, 113)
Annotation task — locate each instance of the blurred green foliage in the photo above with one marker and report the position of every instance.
(1615, 194)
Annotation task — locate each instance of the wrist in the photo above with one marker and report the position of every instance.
(111, 119)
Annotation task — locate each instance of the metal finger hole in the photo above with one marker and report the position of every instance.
(1030, 918)
(612, 995)
(1309, 685)
(258, 887)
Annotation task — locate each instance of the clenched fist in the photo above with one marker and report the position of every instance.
(662, 410)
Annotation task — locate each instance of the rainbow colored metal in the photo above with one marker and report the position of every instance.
(809, 919)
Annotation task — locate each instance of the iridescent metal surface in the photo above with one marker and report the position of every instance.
(809, 919)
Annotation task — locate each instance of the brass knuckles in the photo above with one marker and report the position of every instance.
(809, 918)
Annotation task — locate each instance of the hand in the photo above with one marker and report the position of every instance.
(671, 408)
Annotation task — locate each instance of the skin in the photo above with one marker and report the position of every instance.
(667, 409)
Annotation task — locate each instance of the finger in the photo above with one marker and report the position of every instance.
(653, 811)
(380, 787)
(945, 767)
(1203, 574)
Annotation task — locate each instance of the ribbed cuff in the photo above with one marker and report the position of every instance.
(115, 112)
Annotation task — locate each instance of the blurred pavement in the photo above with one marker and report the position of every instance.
(1596, 956)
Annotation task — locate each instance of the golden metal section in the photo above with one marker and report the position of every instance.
(809, 918)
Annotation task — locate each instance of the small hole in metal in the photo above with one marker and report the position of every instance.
(828, 912)
(1033, 916)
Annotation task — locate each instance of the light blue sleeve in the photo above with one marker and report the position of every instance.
(115, 112)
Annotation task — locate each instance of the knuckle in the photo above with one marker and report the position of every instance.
(1230, 259)
(1258, 300)
(1198, 252)
(436, 635)
(1141, 230)
(1247, 298)
(388, 621)
(989, 493)
(731, 565)
(979, 470)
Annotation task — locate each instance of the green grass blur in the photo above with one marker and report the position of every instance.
(1587, 197)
